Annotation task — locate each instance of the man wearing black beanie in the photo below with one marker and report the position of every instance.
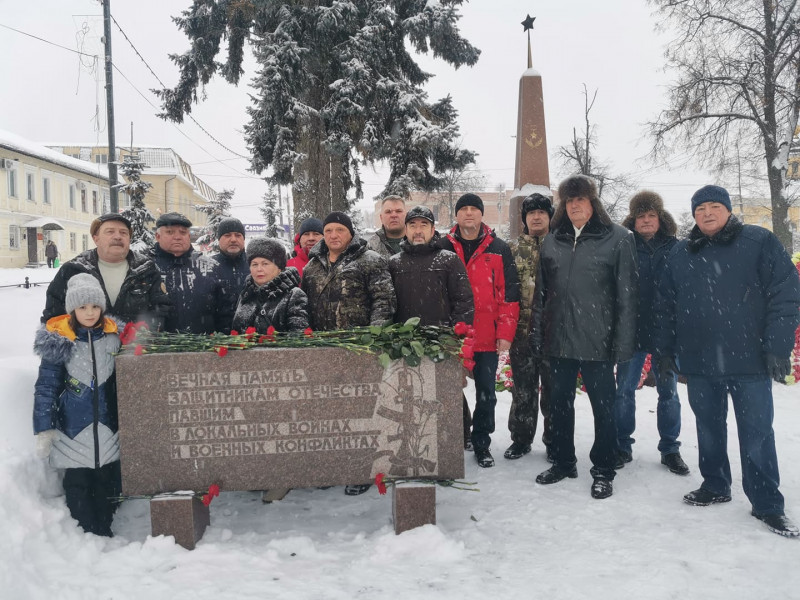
(495, 288)
(232, 266)
(347, 285)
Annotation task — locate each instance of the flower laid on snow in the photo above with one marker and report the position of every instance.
(503, 379)
(382, 481)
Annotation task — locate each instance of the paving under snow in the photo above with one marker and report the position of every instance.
(513, 539)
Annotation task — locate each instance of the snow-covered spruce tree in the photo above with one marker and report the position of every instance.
(337, 87)
(216, 209)
(270, 212)
(737, 91)
(138, 214)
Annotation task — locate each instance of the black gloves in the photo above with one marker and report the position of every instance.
(778, 368)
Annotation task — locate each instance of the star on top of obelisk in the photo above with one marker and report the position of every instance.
(528, 25)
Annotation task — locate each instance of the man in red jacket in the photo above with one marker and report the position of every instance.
(308, 234)
(495, 287)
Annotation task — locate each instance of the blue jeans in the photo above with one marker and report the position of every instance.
(484, 374)
(752, 404)
(668, 411)
(598, 376)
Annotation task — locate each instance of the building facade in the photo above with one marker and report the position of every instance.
(175, 187)
(44, 196)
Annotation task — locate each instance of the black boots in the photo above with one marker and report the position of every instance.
(674, 463)
(516, 450)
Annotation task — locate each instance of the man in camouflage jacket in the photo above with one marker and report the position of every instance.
(537, 210)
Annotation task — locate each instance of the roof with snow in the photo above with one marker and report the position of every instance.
(15, 143)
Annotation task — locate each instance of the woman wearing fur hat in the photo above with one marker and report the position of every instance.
(654, 230)
(270, 297)
(75, 403)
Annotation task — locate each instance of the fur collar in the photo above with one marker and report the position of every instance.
(725, 236)
(284, 282)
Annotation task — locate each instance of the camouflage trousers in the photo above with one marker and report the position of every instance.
(523, 417)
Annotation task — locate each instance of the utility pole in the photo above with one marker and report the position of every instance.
(112, 151)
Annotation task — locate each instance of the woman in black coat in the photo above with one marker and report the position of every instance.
(271, 296)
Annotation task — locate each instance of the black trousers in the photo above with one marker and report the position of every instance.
(93, 496)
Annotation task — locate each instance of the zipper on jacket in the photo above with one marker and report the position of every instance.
(95, 405)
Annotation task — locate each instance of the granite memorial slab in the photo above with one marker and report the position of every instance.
(185, 518)
(284, 418)
(413, 505)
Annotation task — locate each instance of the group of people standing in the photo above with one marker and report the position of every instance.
(574, 295)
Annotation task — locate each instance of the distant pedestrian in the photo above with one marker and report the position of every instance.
(51, 253)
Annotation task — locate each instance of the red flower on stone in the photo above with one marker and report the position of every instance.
(213, 490)
(468, 363)
(271, 333)
(379, 482)
(308, 332)
(461, 328)
(250, 332)
(262, 339)
(469, 341)
(138, 351)
(207, 499)
(128, 333)
(234, 332)
(222, 350)
(467, 351)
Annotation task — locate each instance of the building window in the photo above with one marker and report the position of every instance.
(72, 197)
(46, 190)
(76, 155)
(73, 242)
(95, 208)
(101, 159)
(12, 183)
(84, 242)
(13, 237)
(30, 183)
(84, 208)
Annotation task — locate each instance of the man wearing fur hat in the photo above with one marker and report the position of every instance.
(232, 266)
(727, 311)
(347, 285)
(386, 241)
(537, 210)
(195, 292)
(654, 230)
(584, 321)
(495, 290)
(131, 281)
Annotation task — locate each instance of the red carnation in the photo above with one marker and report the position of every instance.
(234, 332)
(138, 350)
(379, 482)
(271, 333)
(308, 332)
(468, 363)
(206, 499)
(467, 351)
(222, 350)
(250, 332)
(213, 490)
(461, 328)
(128, 334)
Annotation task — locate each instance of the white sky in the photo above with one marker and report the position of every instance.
(49, 96)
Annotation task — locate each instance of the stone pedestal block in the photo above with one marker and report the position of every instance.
(413, 505)
(184, 518)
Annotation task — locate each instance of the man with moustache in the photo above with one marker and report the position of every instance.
(132, 284)
(386, 241)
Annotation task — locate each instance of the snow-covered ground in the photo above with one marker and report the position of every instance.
(513, 539)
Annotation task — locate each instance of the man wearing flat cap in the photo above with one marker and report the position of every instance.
(347, 285)
(495, 290)
(196, 294)
(727, 310)
(232, 266)
(131, 281)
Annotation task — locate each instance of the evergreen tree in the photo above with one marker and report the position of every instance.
(270, 212)
(138, 214)
(337, 87)
(217, 209)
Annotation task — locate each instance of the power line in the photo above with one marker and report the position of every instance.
(49, 42)
(163, 85)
